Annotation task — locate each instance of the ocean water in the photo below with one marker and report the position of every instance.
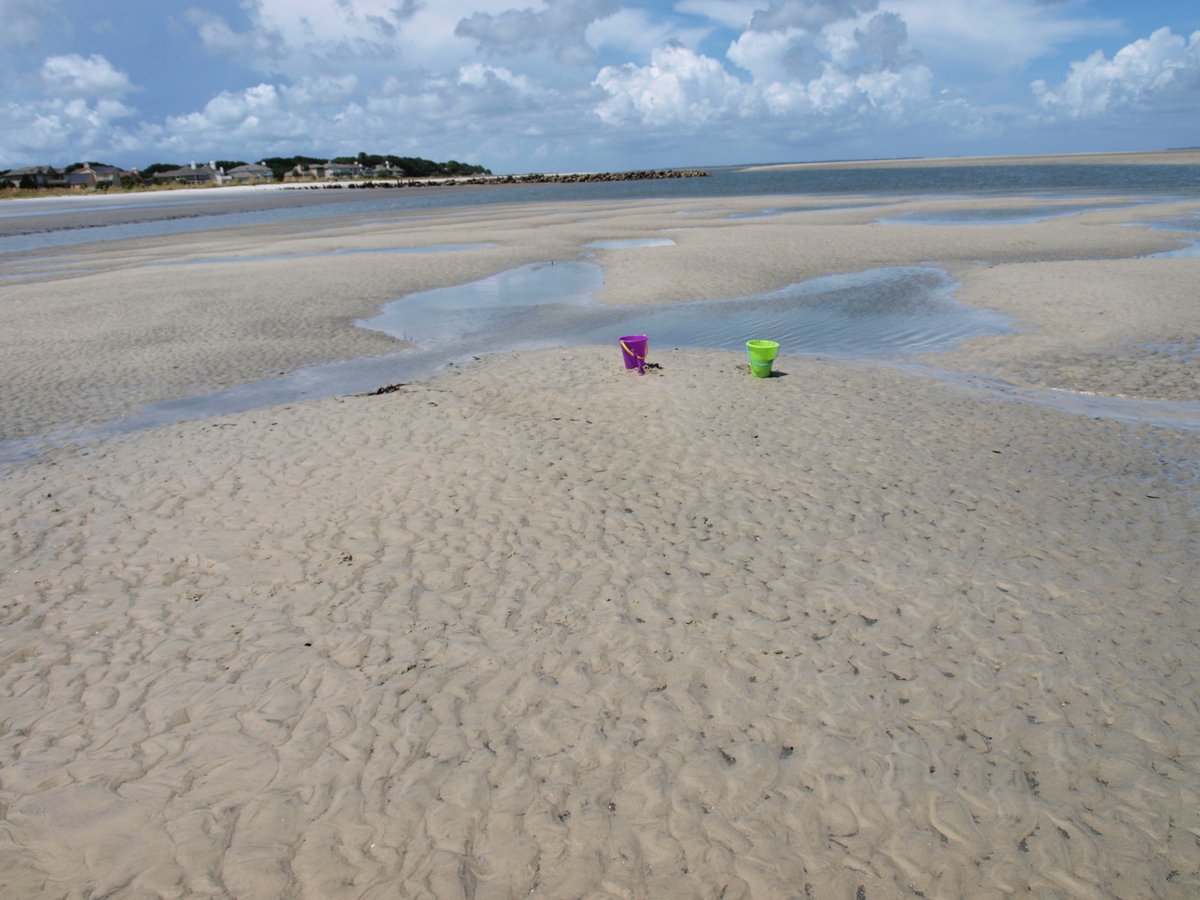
(65, 221)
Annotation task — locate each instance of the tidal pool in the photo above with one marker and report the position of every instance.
(878, 313)
(887, 314)
(630, 244)
(1022, 215)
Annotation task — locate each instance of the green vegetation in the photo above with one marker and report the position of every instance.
(415, 167)
(91, 162)
(370, 165)
(150, 171)
(281, 165)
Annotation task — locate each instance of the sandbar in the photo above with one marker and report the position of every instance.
(542, 626)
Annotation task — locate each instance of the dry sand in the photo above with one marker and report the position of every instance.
(542, 626)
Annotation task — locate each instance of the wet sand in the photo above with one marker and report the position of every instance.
(543, 626)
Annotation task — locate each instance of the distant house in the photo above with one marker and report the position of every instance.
(339, 170)
(250, 172)
(386, 170)
(34, 176)
(192, 174)
(335, 170)
(97, 176)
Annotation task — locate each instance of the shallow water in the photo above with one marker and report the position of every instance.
(1183, 415)
(1024, 215)
(772, 211)
(1189, 223)
(879, 313)
(882, 312)
(630, 244)
(343, 251)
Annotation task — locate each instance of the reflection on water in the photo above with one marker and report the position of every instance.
(882, 312)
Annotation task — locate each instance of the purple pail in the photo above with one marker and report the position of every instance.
(633, 351)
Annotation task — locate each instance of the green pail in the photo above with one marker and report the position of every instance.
(762, 354)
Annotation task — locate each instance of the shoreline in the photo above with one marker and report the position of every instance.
(373, 184)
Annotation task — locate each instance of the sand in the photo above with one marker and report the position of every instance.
(540, 626)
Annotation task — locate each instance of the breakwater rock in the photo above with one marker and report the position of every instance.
(536, 178)
(581, 177)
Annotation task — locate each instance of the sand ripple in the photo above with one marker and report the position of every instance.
(547, 627)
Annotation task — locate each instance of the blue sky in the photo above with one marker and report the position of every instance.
(569, 85)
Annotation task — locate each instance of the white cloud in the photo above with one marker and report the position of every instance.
(22, 22)
(678, 88)
(376, 37)
(477, 75)
(75, 76)
(561, 26)
(811, 15)
(1004, 37)
(634, 34)
(30, 131)
(862, 65)
(294, 36)
(216, 35)
(1159, 70)
(729, 13)
(306, 23)
(258, 115)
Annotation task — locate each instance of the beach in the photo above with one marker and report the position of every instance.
(540, 626)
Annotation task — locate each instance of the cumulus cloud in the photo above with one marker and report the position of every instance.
(479, 76)
(864, 64)
(1153, 71)
(561, 26)
(883, 43)
(729, 13)
(678, 88)
(289, 35)
(216, 35)
(812, 15)
(29, 131)
(309, 22)
(268, 115)
(634, 33)
(23, 21)
(75, 76)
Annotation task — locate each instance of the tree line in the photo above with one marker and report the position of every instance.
(410, 166)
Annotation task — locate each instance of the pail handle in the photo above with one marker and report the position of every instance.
(640, 359)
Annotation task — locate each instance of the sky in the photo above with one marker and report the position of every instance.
(593, 85)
